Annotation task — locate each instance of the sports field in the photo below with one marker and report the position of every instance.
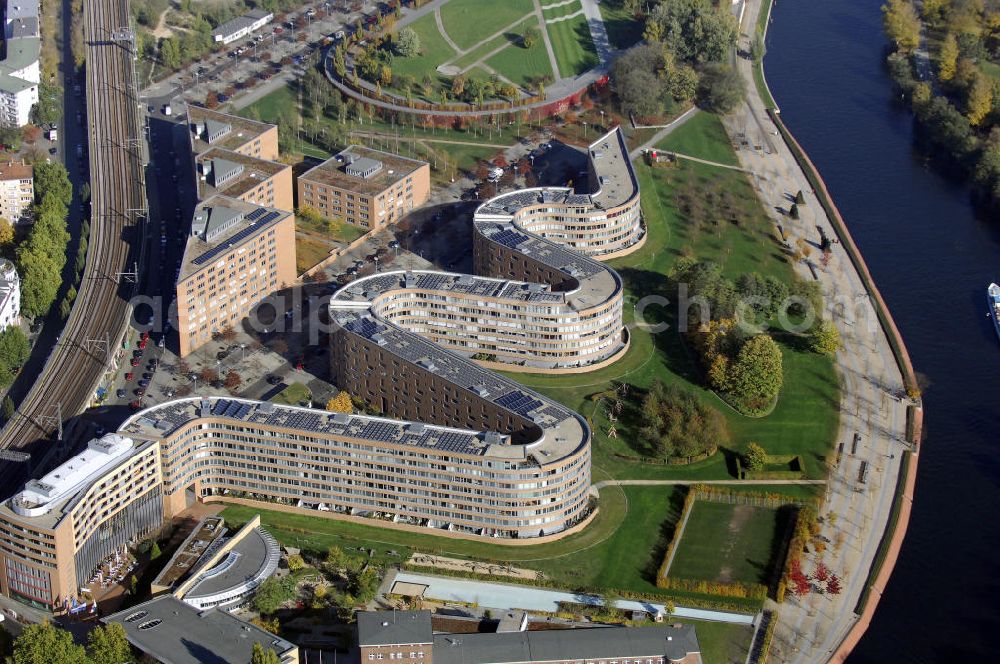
(727, 543)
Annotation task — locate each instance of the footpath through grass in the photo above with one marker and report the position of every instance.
(573, 46)
(702, 136)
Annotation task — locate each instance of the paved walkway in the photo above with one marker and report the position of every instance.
(545, 40)
(444, 33)
(811, 628)
(509, 596)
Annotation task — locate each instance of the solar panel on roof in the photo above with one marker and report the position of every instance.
(238, 237)
(256, 213)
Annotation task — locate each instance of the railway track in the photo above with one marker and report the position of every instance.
(100, 315)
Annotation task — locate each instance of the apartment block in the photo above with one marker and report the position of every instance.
(10, 295)
(210, 129)
(20, 72)
(238, 253)
(249, 179)
(17, 190)
(365, 187)
(57, 530)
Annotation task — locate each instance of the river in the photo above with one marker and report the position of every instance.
(932, 259)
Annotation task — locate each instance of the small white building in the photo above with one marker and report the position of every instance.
(10, 295)
(242, 26)
(17, 190)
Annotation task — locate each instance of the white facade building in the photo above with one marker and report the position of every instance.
(17, 190)
(20, 73)
(242, 26)
(10, 295)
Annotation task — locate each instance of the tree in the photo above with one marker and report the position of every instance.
(822, 572)
(170, 53)
(979, 101)
(233, 380)
(458, 86)
(43, 643)
(209, 375)
(901, 24)
(341, 403)
(800, 198)
(262, 655)
(755, 457)
(274, 592)
(529, 38)
(295, 562)
(640, 88)
(793, 211)
(833, 585)
(31, 133)
(108, 645)
(721, 89)
(154, 551)
(947, 57)
(385, 76)
(756, 375)
(407, 43)
(824, 338)
(697, 31)
(677, 424)
(6, 234)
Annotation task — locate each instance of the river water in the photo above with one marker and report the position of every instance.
(932, 259)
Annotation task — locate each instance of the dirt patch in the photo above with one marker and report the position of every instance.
(725, 574)
(741, 514)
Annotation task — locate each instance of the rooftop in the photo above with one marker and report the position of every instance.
(613, 183)
(382, 628)
(240, 22)
(251, 560)
(672, 641)
(333, 171)
(161, 420)
(15, 170)
(44, 500)
(221, 224)
(251, 172)
(21, 52)
(25, 26)
(190, 552)
(562, 431)
(242, 131)
(176, 633)
(21, 8)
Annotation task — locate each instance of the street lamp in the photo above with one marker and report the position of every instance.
(585, 129)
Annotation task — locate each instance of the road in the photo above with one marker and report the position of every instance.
(100, 315)
(810, 629)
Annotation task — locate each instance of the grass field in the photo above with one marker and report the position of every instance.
(470, 21)
(293, 395)
(309, 250)
(434, 50)
(560, 10)
(573, 46)
(702, 136)
(726, 543)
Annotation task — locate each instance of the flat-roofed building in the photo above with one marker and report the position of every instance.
(242, 26)
(174, 632)
(407, 636)
(57, 530)
(210, 129)
(237, 175)
(17, 190)
(237, 254)
(365, 187)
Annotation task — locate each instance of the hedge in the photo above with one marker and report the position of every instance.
(774, 474)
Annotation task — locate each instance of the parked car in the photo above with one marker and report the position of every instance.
(137, 404)
(135, 361)
(273, 380)
(129, 376)
(120, 393)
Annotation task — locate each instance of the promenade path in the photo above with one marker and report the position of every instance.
(604, 483)
(811, 629)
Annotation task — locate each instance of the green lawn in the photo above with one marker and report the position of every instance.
(573, 46)
(272, 106)
(470, 21)
(726, 543)
(434, 50)
(508, 40)
(702, 136)
(293, 395)
(521, 65)
(721, 643)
